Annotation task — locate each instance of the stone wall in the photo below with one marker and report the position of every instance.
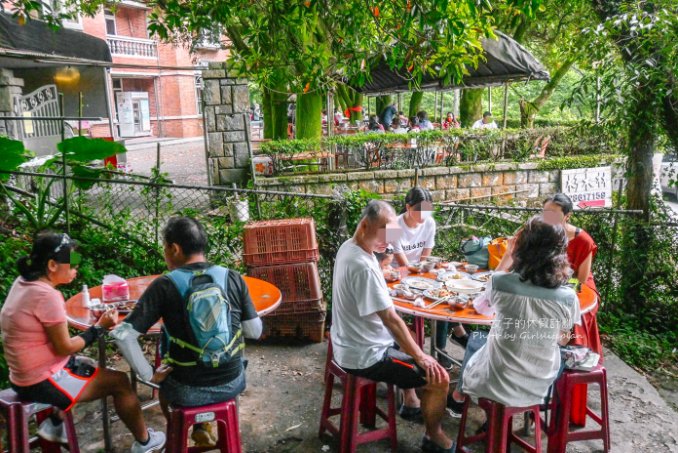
(482, 183)
(10, 87)
(227, 103)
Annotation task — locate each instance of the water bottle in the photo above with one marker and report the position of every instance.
(85, 296)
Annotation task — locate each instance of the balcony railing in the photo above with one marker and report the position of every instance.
(125, 46)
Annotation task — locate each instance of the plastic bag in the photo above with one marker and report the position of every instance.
(475, 251)
(114, 288)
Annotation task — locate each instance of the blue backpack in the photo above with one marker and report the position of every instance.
(209, 315)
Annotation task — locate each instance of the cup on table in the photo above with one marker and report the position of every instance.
(471, 268)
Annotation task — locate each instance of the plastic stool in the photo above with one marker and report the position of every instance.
(499, 435)
(182, 418)
(17, 415)
(559, 429)
(359, 404)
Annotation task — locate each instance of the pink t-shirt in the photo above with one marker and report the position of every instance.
(28, 309)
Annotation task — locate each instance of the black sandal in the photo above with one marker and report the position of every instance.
(411, 414)
(428, 446)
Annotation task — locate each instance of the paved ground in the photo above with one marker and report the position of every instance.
(279, 411)
(183, 162)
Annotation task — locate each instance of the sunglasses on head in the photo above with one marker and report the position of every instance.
(73, 258)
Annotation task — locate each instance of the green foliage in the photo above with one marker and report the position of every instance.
(39, 210)
(12, 154)
(569, 162)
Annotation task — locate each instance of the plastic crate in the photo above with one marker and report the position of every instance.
(297, 282)
(309, 325)
(300, 307)
(282, 241)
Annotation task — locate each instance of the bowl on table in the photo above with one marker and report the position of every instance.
(458, 302)
(471, 268)
(465, 286)
(415, 268)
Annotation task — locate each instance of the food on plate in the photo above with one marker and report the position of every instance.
(438, 293)
(484, 277)
(415, 268)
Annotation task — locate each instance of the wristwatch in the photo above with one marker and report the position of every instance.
(100, 331)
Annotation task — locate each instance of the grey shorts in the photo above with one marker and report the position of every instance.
(190, 395)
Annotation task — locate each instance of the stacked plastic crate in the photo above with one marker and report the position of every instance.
(285, 253)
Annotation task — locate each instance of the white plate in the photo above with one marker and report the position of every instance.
(466, 286)
(421, 283)
(483, 277)
(447, 275)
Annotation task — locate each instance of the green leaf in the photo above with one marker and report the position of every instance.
(12, 154)
(83, 149)
(84, 172)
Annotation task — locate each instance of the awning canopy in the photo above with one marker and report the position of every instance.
(37, 41)
(504, 61)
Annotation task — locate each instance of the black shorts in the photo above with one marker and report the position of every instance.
(396, 368)
(63, 388)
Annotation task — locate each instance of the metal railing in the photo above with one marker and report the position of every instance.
(132, 47)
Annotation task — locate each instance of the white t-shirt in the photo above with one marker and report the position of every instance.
(521, 358)
(413, 241)
(359, 291)
(480, 125)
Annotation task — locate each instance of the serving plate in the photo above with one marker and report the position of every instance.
(421, 283)
(466, 286)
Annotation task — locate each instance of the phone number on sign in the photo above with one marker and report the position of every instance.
(590, 196)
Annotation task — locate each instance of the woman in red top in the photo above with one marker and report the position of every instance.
(581, 251)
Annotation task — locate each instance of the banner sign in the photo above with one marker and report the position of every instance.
(588, 187)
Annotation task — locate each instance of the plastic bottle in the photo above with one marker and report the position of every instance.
(85, 296)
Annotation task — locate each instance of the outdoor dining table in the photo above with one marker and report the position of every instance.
(265, 297)
(588, 299)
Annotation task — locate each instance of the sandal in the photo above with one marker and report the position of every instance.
(428, 446)
(412, 414)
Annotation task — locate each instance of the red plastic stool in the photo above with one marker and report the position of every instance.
(17, 414)
(559, 429)
(499, 435)
(358, 405)
(182, 418)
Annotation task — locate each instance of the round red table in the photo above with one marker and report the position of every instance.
(265, 297)
(588, 299)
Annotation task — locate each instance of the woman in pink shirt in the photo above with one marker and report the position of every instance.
(40, 351)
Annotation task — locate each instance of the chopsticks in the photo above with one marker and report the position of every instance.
(438, 302)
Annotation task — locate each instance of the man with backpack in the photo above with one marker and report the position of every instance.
(207, 313)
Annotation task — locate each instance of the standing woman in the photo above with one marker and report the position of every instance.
(40, 351)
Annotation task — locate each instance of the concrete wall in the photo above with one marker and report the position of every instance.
(481, 183)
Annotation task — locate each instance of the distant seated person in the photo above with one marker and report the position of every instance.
(323, 117)
(404, 121)
(338, 117)
(486, 122)
(205, 342)
(424, 123)
(365, 325)
(516, 363)
(451, 122)
(374, 126)
(385, 260)
(396, 127)
(413, 124)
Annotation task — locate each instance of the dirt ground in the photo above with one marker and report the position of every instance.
(280, 410)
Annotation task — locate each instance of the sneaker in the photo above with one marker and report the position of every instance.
(411, 414)
(53, 433)
(454, 407)
(428, 446)
(156, 440)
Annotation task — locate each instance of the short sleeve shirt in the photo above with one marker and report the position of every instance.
(162, 300)
(359, 291)
(413, 241)
(30, 307)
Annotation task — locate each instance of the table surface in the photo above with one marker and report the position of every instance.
(588, 299)
(265, 296)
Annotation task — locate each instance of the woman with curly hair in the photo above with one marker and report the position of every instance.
(519, 359)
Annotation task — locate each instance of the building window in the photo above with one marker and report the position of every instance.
(110, 22)
(198, 94)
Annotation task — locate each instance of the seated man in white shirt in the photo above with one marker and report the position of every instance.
(485, 123)
(365, 324)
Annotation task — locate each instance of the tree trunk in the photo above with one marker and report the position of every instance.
(279, 113)
(415, 103)
(471, 106)
(309, 115)
(267, 110)
(352, 101)
(529, 109)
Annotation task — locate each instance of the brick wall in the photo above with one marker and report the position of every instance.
(480, 183)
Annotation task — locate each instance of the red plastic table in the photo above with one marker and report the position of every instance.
(265, 297)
